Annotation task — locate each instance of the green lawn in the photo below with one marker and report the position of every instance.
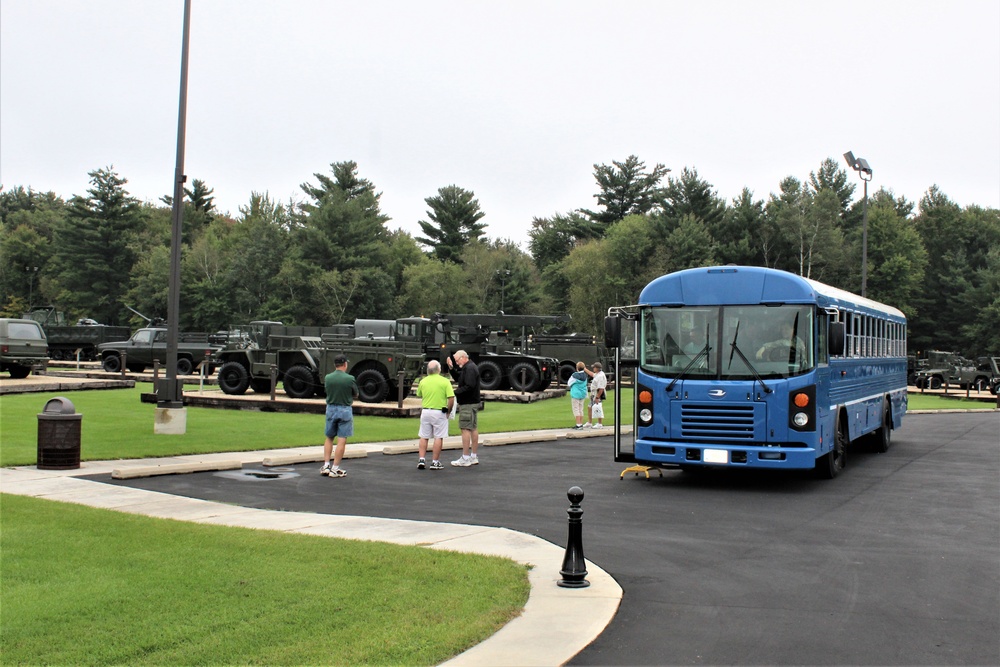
(116, 425)
(84, 586)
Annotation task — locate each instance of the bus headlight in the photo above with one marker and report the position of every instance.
(800, 419)
(645, 415)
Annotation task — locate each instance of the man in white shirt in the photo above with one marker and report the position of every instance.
(598, 389)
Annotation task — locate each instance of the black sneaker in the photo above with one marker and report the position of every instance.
(421, 464)
(436, 465)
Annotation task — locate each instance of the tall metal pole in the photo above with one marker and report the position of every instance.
(170, 393)
(864, 238)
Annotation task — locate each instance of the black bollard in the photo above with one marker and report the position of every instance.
(574, 567)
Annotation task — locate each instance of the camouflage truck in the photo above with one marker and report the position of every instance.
(303, 356)
(983, 375)
(67, 341)
(941, 367)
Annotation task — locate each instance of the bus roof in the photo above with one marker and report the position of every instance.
(743, 285)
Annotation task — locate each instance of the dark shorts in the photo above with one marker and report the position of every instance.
(468, 417)
(339, 421)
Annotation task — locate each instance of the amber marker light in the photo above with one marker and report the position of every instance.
(801, 400)
(645, 396)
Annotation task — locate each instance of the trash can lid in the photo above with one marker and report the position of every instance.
(59, 406)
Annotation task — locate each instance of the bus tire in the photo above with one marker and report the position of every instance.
(883, 436)
(832, 463)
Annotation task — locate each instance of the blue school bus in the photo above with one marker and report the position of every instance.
(741, 366)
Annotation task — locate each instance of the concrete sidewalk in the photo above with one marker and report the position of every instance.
(555, 625)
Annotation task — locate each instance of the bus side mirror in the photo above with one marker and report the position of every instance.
(612, 331)
(837, 337)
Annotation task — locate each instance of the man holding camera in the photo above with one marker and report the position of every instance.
(437, 398)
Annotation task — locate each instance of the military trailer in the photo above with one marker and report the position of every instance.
(79, 341)
(302, 356)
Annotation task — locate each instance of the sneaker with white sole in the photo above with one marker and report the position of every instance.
(325, 470)
(587, 425)
(338, 472)
(421, 464)
(474, 460)
(436, 465)
(462, 462)
(597, 426)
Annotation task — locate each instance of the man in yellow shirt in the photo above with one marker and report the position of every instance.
(437, 398)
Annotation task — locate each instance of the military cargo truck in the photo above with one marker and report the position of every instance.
(66, 341)
(303, 356)
(487, 338)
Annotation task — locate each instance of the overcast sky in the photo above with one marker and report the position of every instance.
(513, 100)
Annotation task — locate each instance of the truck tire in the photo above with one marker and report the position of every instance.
(490, 375)
(184, 366)
(565, 372)
(531, 377)
(112, 363)
(373, 387)
(935, 382)
(233, 378)
(300, 382)
(19, 372)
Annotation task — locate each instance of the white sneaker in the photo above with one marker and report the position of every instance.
(462, 462)
(325, 470)
(597, 426)
(587, 425)
(474, 460)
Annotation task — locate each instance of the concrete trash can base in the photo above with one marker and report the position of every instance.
(59, 435)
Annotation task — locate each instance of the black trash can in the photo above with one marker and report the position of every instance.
(59, 435)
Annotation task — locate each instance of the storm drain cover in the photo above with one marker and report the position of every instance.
(258, 475)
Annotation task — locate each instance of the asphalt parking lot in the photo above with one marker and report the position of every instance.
(895, 562)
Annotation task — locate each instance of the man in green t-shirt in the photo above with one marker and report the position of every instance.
(341, 390)
(437, 398)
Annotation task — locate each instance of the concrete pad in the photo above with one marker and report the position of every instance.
(450, 443)
(395, 531)
(496, 441)
(174, 468)
(268, 519)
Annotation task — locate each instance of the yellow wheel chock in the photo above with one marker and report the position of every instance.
(640, 469)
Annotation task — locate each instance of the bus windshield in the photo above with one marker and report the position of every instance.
(727, 342)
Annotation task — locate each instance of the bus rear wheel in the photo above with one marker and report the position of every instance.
(832, 463)
(883, 436)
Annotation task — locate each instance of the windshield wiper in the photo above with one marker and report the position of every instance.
(703, 353)
(736, 350)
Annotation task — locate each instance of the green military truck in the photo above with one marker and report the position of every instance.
(149, 344)
(980, 376)
(22, 347)
(303, 356)
(79, 341)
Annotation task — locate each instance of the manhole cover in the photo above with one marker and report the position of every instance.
(257, 475)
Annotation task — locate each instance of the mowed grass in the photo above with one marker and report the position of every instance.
(115, 424)
(84, 586)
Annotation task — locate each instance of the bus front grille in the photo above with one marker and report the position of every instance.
(733, 423)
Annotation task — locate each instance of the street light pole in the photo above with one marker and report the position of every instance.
(864, 170)
(503, 276)
(32, 271)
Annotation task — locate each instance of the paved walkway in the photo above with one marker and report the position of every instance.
(556, 622)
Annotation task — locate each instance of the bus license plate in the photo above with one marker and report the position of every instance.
(715, 456)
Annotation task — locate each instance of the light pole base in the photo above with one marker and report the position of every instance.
(170, 421)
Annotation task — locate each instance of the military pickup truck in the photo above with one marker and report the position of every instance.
(146, 345)
(303, 356)
(980, 376)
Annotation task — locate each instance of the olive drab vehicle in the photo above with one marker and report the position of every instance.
(488, 340)
(79, 341)
(303, 356)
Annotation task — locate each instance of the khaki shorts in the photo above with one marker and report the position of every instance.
(468, 417)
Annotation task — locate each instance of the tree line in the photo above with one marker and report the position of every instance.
(330, 256)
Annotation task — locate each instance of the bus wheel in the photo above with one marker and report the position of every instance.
(883, 436)
(830, 464)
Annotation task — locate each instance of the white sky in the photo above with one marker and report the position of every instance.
(514, 100)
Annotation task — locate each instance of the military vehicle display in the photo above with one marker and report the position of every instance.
(77, 341)
(568, 349)
(980, 376)
(941, 367)
(303, 356)
(489, 341)
(149, 344)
